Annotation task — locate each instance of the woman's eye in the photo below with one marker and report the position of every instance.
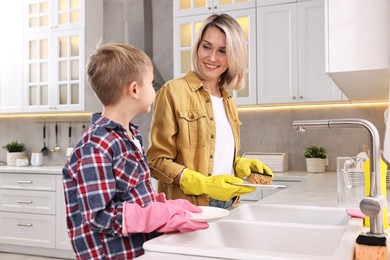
(222, 51)
(206, 47)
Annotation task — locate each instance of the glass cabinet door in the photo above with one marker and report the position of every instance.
(68, 13)
(37, 71)
(198, 7)
(37, 13)
(187, 29)
(68, 69)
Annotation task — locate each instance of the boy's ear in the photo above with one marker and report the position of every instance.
(132, 89)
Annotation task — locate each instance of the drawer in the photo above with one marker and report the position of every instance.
(27, 229)
(25, 201)
(28, 181)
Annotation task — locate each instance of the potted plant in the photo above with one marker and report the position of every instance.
(15, 150)
(316, 158)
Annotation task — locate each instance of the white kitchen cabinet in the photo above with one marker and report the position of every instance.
(11, 57)
(27, 210)
(197, 7)
(358, 47)
(291, 51)
(58, 38)
(185, 30)
(32, 213)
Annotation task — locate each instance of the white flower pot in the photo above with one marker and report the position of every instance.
(316, 164)
(11, 157)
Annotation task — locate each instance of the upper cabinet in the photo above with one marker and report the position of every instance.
(196, 7)
(286, 45)
(59, 35)
(186, 28)
(358, 47)
(11, 57)
(291, 54)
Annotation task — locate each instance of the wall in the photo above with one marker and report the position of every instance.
(263, 130)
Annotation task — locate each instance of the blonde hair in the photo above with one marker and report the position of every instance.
(113, 66)
(236, 50)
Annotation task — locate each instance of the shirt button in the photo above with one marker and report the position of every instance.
(192, 116)
(210, 174)
(212, 136)
(207, 100)
(211, 156)
(211, 118)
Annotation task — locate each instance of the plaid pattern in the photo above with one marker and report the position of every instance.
(104, 170)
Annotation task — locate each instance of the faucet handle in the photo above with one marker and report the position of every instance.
(371, 206)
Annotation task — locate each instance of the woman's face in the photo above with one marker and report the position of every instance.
(212, 54)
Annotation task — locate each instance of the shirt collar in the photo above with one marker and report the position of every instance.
(102, 121)
(195, 83)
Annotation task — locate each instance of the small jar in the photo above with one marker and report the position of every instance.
(36, 158)
(22, 162)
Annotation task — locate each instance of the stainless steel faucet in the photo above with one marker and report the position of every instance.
(373, 205)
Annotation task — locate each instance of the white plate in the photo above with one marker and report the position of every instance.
(209, 214)
(261, 186)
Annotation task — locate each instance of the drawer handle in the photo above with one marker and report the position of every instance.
(24, 225)
(24, 182)
(24, 201)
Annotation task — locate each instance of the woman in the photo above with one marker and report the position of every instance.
(195, 130)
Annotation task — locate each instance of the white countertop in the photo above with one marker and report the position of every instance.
(318, 190)
(32, 169)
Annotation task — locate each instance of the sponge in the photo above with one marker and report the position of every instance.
(370, 247)
(259, 178)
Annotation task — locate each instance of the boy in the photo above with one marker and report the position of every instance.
(111, 207)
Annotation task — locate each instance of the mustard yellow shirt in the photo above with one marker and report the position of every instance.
(182, 134)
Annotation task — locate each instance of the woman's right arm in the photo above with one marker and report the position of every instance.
(163, 132)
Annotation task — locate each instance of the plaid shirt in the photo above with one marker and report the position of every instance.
(105, 169)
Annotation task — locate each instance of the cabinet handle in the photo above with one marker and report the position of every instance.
(300, 97)
(53, 108)
(209, 7)
(294, 97)
(24, 201)
(24, 225)
(24, 182)
(215, 7)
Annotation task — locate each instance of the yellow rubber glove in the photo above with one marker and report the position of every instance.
(245, 166)
(218, 187)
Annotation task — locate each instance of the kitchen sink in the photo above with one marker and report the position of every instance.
(237, 239)
(290, 214)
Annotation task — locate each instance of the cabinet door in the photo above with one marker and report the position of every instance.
(48, 16)
(314, 83)
(54, 75)
(62, 239)
(68, 67)
(274, 2)
(198, 7)
(247, 20)
(11, 57)
(277, 54)
(37, 67)
(185, 30)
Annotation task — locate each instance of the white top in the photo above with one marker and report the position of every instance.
(224, 139)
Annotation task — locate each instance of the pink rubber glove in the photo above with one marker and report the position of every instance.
(160, 217)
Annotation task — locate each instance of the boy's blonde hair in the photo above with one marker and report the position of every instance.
(112, 67)
(236, 50)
